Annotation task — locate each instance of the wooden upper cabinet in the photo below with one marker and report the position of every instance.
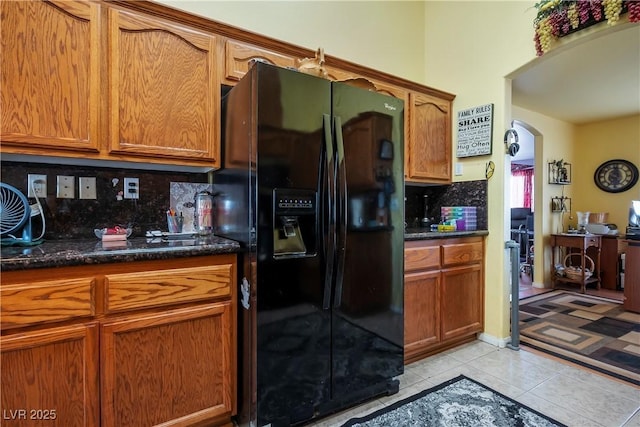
(164, 92)
(50, 75)
(428, 143)
(238, 57)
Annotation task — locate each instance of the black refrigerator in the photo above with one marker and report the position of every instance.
(312, 187)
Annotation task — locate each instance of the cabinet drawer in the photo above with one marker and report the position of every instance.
(47, 301)
(464, 253)
(421, 258)
(163, 287)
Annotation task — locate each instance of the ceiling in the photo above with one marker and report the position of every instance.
(595, 78)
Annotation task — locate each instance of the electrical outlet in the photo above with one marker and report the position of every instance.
(36, 185)
(131, 188)
(87, 187)
(66, 188)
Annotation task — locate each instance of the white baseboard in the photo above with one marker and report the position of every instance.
(490, 339)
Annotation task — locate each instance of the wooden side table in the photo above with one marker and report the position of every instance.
(632, 277)
(579, 242)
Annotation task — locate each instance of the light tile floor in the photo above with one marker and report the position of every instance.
(562, 391)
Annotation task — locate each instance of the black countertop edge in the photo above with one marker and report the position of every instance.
(68, 253)
(423, 234)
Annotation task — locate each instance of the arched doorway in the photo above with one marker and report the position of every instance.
(525, 184)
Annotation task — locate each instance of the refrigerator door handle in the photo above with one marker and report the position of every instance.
(328, 218)
(341, 208)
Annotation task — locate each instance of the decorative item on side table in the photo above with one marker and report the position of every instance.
(583, 220)
(559, 172)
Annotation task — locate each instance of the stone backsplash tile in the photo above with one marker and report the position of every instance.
(77, 218)
(182, 196)
(466, 193)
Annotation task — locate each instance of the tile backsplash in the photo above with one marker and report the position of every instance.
(161, 190)
(466, 193)
(77, 218)
(182, 201)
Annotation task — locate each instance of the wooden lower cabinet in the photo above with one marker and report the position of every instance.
(422, 301)
(170, 368)
(461, 305)
(443, 294)
(50, 377)
(142, 344)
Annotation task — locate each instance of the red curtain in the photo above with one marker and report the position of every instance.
(524, 178)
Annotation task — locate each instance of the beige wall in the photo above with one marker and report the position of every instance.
(383, 35)
(470, 47)
(596, 143)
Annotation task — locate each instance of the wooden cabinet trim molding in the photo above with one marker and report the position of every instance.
(239, 55)
(129, 291)
(24, 304)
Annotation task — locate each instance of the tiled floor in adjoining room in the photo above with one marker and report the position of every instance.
(567, 393)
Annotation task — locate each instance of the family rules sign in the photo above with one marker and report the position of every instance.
(475, 128)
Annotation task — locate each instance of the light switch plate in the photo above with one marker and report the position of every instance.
(87, 187)
(65, 187)
(131, 188)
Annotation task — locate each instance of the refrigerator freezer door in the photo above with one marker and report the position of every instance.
(293, 328)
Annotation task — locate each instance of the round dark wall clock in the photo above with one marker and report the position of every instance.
(616, 176)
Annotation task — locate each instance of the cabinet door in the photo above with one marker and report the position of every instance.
(238, 57)
(428, 145)
(175, 367)
(421, 311)
(462, 302)
(164, 89)
(49, 76)
(50, 377)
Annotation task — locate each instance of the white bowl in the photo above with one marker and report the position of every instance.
(99, 232)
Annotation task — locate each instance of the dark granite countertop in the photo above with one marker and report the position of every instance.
(67, 253)
(426, 234)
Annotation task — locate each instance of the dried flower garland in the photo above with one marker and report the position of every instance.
(558, 18)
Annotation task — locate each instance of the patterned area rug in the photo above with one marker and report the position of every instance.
(594, 332)
(460, 402)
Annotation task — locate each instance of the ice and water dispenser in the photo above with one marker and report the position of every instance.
(294, 222)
